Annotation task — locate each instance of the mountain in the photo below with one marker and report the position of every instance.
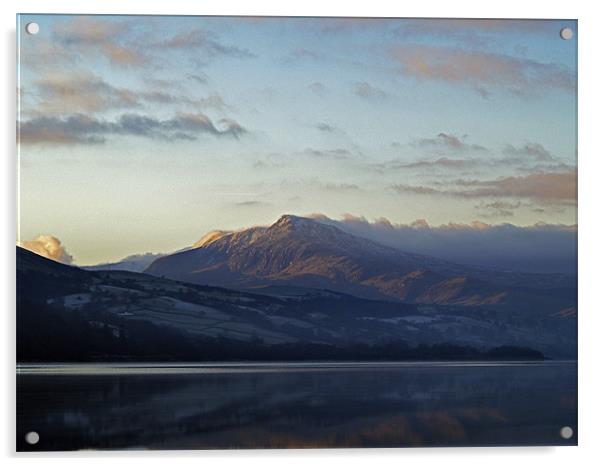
(68, 314)
(209, 238)
(302, 252)
(133, 263)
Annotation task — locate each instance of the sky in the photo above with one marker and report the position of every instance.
(141, 134)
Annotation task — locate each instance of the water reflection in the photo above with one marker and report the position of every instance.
(384, 407)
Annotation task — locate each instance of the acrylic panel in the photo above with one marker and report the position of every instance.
(272, 232)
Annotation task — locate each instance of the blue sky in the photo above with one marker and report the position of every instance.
(143, 133)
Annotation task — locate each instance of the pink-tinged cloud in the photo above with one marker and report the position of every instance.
(86, 34)
(449, 142)
(49, 247)
(481, 71)
(547, 188)
(64, 93)
(80, 92)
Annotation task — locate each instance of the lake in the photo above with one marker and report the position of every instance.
(311, 405)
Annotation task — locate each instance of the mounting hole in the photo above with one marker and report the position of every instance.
(32, 28)
(566, 432)
(566, 33)
(32, 437)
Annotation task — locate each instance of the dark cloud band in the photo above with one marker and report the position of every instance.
(82, 129)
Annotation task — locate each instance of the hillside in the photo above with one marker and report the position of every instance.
(65, 313)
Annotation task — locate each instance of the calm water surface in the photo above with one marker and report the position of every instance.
(299, 405)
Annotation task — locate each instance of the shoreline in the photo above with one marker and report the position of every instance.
(233, 367)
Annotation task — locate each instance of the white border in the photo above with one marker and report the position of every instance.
(590, 234)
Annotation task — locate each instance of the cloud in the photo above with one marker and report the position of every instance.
(35, 54)
(560, 188)
(135, 43)
(537, 248)
(339, 25)
(448, 142)
(213, 100)
(200, 78)
(559, 167)
(317, 88)
(83, 92)
(341, 187)
(82, 129)
(260, 164)
(501, 205)
(48, 246)
(89, 30)
(251, 204)
(123, 56)
(335, 154)
(302, 53)
(368, 91)
(528, 158)
(409, 189)
(80, 92)
(327, 128)
(231, 127)
(473, 32)
(547, 187)
(530, 150)
(76, 129)
(204, 41)
(269, 162)
(93, 35)
(498, 209)
(443, 162)
(481, 70)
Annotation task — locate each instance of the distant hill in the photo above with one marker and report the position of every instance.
(303, 252)
(133, 263)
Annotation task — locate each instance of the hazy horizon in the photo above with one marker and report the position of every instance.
(541, 248)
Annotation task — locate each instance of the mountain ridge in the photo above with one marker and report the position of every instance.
(299, 251)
